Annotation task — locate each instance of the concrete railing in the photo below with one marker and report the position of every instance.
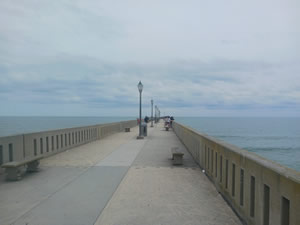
(260, 191)
(46, 143)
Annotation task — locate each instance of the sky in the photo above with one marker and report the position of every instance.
(194, 58)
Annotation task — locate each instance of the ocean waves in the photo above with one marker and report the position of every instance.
(277, 139)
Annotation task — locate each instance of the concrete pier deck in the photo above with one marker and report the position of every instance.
(118, 180)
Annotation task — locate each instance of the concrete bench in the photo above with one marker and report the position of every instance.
(13, 169)
(127, 129)
(177, 156)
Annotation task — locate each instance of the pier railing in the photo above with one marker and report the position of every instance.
(259, 190)
(46, 143)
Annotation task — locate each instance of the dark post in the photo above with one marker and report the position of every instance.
(140, 87)
(140, 133)
(151, 112)
(156, 114)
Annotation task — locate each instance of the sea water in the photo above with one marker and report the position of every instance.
(277, 139)
(21, 125)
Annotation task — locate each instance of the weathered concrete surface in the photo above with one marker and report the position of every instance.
(80, 201)
(166, 195)
(90, 154)
(124, 155)
(47, 143)
(65, 182)
(156, 192)
(18, 198)
(157, 150)
(117, 180)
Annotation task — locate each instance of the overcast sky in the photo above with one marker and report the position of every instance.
(194, 57)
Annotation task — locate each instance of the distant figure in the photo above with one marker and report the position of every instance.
(165, 120)
(168, 121)
(171, 121)
(146, 119)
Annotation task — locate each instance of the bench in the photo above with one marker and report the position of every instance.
(13, 169)
(177, 156)
(127, 129)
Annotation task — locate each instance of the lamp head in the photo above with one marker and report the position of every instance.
(140, 86)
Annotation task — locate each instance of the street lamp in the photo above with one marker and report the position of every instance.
(156, 113)
(140, 87)
(151, 112)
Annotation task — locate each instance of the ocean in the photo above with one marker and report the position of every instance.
(277, 139)
(21, 125)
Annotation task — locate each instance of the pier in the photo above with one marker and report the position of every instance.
(110, 178)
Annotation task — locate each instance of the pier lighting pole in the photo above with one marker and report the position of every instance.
(156, 114)
(140, 87)
(151, 112)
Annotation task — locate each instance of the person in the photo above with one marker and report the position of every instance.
(168, 121)
(165, 120)
(146, 119)
(171, 121)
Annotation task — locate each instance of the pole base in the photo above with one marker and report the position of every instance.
(140, 137)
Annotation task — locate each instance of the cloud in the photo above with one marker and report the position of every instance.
(214, 85)
(194, 59)
(149, 31)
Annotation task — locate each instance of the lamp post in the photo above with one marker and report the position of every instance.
(140, 87)
(151, 112)
(155, 114)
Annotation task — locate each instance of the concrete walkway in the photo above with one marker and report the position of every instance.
(119, 181)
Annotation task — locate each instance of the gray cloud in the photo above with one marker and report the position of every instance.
(176, 85)
(194, 59)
